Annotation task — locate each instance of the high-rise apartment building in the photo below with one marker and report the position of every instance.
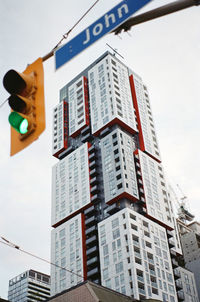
(29, 286)
(112, 216)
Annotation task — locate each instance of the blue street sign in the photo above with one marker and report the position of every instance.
(112, 19)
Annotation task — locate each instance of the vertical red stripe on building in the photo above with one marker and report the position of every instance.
(135, 104)
(84, 247)
(85, 91)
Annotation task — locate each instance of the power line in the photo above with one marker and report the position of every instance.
(13, 245)
(65, 36)
(1, 105)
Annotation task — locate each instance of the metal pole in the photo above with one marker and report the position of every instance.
(150, 15)
(156, 13)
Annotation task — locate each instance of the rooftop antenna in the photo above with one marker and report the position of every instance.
(115, 51)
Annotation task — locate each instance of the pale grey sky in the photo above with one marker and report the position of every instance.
(164, 52)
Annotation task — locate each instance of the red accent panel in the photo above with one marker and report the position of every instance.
(85, 89)
(84, 247)
(71, 215)
(155, 158)
(159, 222)
(114, 122)
(76, 133)
(122, 195)
(135, 104)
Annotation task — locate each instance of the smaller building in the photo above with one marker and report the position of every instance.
(91, 292)
(29, 286)
(186, 286)
(190, 241)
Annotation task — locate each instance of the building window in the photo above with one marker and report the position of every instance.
(119, 267)
(116, 233)
(105, 273)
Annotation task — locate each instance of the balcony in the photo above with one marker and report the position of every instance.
(143, 211)
(142, 200)
(85, 130)
(181, 296)
(91, 241)
(171, 243)
(93, 172)
(91, 149)
(91, 230)
(177, 274)
(94, 190)
(174, 263)
(95, 198)
(113, 208)
(93, 272)
(90, 211)
(93, 181)
(169, 234)
(92, 164)
(93, 251)
(105, 132)
(92, 156)
(179, 284)
(66, 152)
(93, 261)
(173, 254)
(85, 138)
(90, 221)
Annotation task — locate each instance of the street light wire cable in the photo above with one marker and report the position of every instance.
(13, 245)
(1, 105)
(65, 36)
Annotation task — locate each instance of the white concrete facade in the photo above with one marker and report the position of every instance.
(68, 253)
(70, 184)
(110, 95)
(78, 106)
(188, 284)
(135, 258)
(155, 191)
(147, 133)
(119, 175)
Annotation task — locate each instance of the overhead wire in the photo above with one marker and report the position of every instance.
(1, 105)
(13, 245)
(65, 36)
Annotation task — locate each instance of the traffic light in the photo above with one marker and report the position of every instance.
(27, 117)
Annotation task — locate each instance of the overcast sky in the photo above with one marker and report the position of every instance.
(164, 52)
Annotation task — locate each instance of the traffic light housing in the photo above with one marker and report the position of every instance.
(27, 117)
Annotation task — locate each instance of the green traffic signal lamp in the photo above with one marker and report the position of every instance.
(26, 100)
(18, 122)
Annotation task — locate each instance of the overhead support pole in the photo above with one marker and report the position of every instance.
(156, 13)
(150, 15)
